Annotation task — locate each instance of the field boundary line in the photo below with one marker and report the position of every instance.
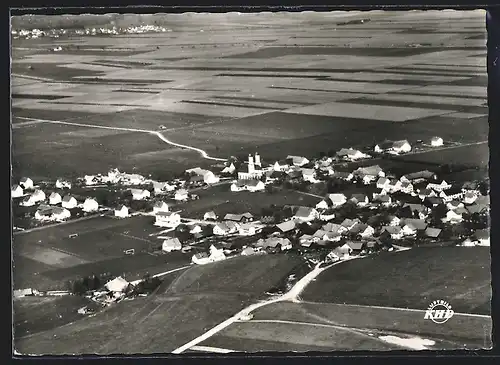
(217, 350)
(396, 309)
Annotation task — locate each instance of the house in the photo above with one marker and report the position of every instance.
(16, 191)
(140, 194)
(468, 243)
(297, 160)
(208, 176)
(247, 251)
(402, 146)
(426, 193)
(469, 197)
(90, 179)
(332, 236)
(394, 221)
(343, 252)
(26, 183)
(90, 205)
(421, 210)
(216, 254)
(433, 201)
(483, 237)
(210, 216)
(454, 204)
(181, 195)
(162, 187)
(356, 246)
(167, 219)
(348, 224)
(117, 285)
(54, 198)
(196, 229)
(248, 229)
(255, 185)
(131, 179)
(406, 187)
(280, 166)
(361, 200)
(171, 244)
(327, 215)
(309, 175)
(439, 187)
(383, 183)
(373, 171)
(433, 232)
(69, 202)
(384, 200)
(306, 214)
(351, 154)
(229, 169)
(453, 217)
(477, 208)
(63, 184)
(420, 176)
(201, 258)
(287, 226)
(363, 230)
(415, 224)
(394, 231)
(322, 205)
(451, 194)
(285, 244)
(436, 141)
(319, 235)
(38, 196)
(337, 199)
(347, 176)
(47, 213)
(245, 217)
(332, 257)
(393, 186)
(121, 212)
(471, 186)
(160, 206)
(225, 228)
(332, 227)
(306, 240)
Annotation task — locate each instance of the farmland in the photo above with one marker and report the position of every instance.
(137, 326)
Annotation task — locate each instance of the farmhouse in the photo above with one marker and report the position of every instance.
(383, 183)
(348, 224)
(426, 193)
(337, 199)
(225, 228)
(208, 176)
(322, 205)
(281, 166)
(356, 246)
(245, 217)
(250, 185)
(327, 215)
(90, 205)
(90, 179)
(467, 243)
(306, 214)
(306, 240)
(347, 176)
(439, 187)
(16, 191)
(453, 217)
(351, 154)
(69, 202)
(167, 219)
(26, 183)
(361, 200)
(171, 244)
(201, 258)
(247, 251)
(436, 141)
(344, 251)
(371, 171)
(210, 216)
(287, 226)
(394, 231)
(229, 169)
(38, 196)
(121, 212)
(309, 175)
(131, 179)
(248, 229)
(139, 194)
(63, 184)
(406, 187)
(297, 160)
(117, 285)
(47, 213)
(394, 220)
(54, 198)
(181, 195)
(162, 187)
(160, 206)
(454, 204)
(196, 229)
(401, 147)
(420, 176)
(332, 227)
(363, 230)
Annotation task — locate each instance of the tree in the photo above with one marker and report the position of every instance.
(484, 187)
(438, 213)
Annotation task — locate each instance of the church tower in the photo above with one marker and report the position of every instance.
(257, 160)
(251, 166)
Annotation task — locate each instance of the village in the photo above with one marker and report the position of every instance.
(384, 212)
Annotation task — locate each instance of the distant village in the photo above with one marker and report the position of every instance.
(383, 211)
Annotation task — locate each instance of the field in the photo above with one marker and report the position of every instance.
(459, 275)
(278, 92)
(186, 310)
(47, 258)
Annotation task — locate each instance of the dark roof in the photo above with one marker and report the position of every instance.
(432, 232)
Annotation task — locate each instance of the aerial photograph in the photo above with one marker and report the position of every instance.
(215, 183)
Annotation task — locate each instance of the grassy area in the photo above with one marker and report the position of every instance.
(474, 332)
(410, 279)
(38, 314)
(139, 326)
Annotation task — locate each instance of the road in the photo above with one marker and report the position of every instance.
(292, 295)
(203, 153)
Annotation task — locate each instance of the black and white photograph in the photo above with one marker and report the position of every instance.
(216, 183)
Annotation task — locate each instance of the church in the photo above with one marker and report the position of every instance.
(255, 170)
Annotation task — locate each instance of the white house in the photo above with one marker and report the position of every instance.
(54, 198)
(285, 244)
(454, 204)
(47, 213)
(322, 205)
(439, 187)
(309, 175)
(160, 206)
(196, 229)
(16, 191)
(468, 243)
(298, 160)
(383, 199)
(453, 217)
(171, 244)
(90, 205)
(483, 237)
(361, 200)
(306, 214)
(26, 183)
(337, 199)
(436, 141)
(28, 201)
(229, 169)
(210, 216)
(225, 228)
(383, 183)
(121, 212)
(140, 194)
(395, 232)
(162, 187)
(469, 198)
(90, 179)
(200, 259)
(255, 185)
(69, 202)
(248, 229)
(117, 285)
(362, 229)
(351, 154)
(326, 215)
(63, 184)
(38, 196)
(394, 221)
(402, 146)
(394, 186)
(406, 187)
(208, 176)
(181, 195)
(216, 254)
(280, 166)
(167, 219)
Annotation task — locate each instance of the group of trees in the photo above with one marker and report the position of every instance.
(87, 283)
(147, 285)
